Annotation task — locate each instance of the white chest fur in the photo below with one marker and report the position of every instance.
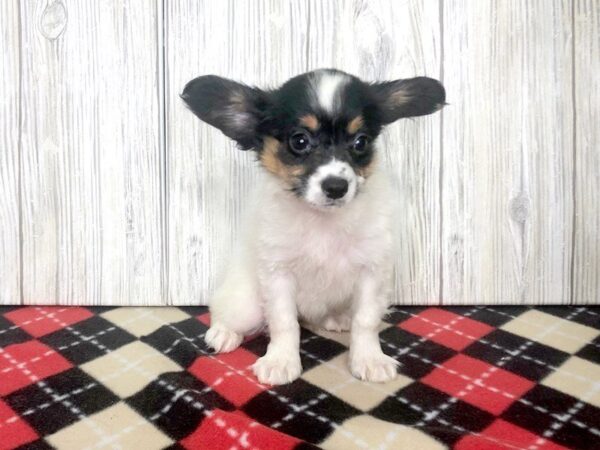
(324, 251)
(296, 262)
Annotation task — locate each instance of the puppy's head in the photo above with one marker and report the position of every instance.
(316, 132)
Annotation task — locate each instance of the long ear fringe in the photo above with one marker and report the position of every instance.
(232, 107)
(409, 97)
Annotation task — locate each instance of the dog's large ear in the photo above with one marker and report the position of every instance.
(409, 98)
(233, 108)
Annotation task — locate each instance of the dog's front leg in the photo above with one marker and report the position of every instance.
(281, 364)
(367, 360)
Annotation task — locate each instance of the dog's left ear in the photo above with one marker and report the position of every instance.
(232, 107)
(409, 97)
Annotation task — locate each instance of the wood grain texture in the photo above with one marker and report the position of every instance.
(90, 153)
(208, 179)
(586, 263)
(10, 258)
(120, 195)
(507, 146)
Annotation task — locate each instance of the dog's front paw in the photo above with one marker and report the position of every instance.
(222, 339)
(375, 367)
(277, 368)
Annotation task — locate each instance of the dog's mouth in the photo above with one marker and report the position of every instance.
(328, 205)
(325, 203)
(322, 202)
(330, 187)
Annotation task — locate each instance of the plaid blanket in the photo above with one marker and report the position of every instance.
(142, 378)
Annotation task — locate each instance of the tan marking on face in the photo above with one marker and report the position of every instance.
(310, 121)
(368, 170)
(355, 125)
(270, 160)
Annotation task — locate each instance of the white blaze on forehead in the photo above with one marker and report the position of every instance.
(327, 86)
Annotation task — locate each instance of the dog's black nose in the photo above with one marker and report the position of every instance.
(334, 187)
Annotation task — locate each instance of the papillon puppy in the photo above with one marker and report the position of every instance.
(321, 237)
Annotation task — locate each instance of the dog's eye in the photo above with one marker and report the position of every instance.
(360, 143)
(300, 142)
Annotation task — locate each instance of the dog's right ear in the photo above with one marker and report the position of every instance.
(233, 108)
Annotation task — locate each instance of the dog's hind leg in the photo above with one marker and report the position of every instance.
(235, 311)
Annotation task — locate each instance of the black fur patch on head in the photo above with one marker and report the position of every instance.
(298, 98)
(346, 110)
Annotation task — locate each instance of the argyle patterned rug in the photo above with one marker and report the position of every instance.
(142, 378)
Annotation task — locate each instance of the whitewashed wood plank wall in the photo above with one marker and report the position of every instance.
(111, 192)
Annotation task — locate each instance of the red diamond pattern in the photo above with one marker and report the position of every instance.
(446, 328)
(230, 375)
(26, 363)
(478, 383)
(41, 320)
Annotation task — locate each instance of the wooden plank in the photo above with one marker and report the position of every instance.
(260, 42)
(507, 152)
(586, 268)
(90, 155)
(10, 258)
(382, 40)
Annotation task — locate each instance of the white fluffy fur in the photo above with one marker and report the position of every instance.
(327, 267)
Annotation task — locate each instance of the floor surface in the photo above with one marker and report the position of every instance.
(142, 378)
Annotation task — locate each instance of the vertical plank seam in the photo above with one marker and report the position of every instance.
(20, 152)
(525, 174)
(574, 175)
(441, 171)
(162, 131)
(307, 40)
